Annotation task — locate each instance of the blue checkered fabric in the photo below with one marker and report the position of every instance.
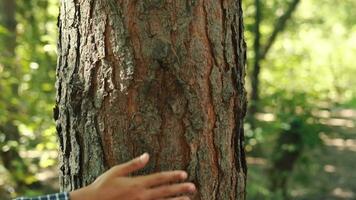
(57, 196)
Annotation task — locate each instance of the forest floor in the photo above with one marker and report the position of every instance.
(331, 170)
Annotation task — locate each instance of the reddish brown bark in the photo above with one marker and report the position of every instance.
(165, 77)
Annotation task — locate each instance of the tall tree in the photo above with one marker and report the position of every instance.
(164, 77)
(256, 60)
(260, 51)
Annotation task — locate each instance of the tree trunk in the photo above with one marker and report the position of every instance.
(256, 62)
(8, 21)
(261, 52)
(163, 77)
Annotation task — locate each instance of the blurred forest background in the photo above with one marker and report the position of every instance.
(300, 129)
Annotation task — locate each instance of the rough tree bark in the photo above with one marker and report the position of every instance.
(158, 76)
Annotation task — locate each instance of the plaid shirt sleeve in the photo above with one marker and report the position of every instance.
(57, 196)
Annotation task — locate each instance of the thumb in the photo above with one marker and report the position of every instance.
(131, 166)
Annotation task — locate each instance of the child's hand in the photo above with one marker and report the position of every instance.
(116, 185)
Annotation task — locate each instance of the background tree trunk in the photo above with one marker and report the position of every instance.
(162, 76)
(261, 52)
(256, 61)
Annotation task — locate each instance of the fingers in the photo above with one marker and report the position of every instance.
(131, 166)
(162, 178)
(171, 190)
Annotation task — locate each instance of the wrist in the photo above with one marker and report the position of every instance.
(83, 193)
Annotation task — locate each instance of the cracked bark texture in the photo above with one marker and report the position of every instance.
(159, 76)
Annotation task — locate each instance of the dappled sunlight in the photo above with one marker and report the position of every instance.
(347, 113)
(46, 174)
(338, 122)
(296, 193)
(329, 168)
(337, 113)
(321, 113)
(342, 193)
(256, 161)
(339, 143)
(38, 153)
(266, 117)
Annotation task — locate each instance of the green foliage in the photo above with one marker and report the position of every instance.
(295, 108)
(27, 93)
(309, 70)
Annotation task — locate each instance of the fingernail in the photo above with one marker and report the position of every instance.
(192, 188)
(143, 157)
(184, 175)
